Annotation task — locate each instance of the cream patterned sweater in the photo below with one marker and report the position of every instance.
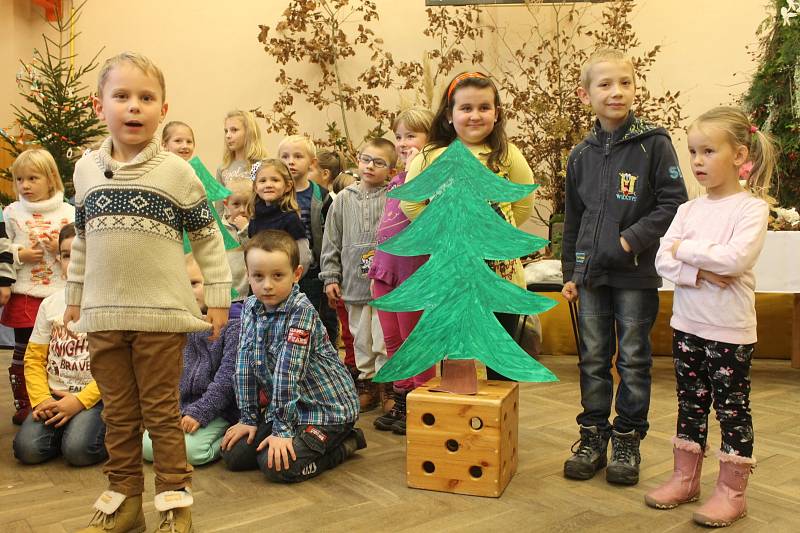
(127, 270)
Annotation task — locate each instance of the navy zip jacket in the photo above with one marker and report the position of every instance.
(626, 183)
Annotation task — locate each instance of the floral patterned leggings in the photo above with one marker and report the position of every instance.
(707, 369)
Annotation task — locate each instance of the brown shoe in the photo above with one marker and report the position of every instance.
(368, 396)
(175, 515)
(387, 397)
(116, 513)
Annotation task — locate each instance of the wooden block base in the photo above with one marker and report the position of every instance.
(460, 443)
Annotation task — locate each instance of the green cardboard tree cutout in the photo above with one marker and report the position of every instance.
(455, 288)
(215, 191)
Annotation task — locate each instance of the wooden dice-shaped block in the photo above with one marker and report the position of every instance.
(461, 443)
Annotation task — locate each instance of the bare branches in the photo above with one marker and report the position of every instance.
(331, 33)
(537, 72)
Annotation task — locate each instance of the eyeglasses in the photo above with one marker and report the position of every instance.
(379, 163)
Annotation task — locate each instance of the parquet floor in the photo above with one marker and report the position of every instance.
(368, 493)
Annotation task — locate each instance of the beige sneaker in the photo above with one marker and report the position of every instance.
(174, 513)
(116, 513)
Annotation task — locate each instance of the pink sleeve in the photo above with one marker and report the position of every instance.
(739, 254)
(667, 266)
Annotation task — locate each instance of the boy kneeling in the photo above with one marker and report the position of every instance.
(284, 350)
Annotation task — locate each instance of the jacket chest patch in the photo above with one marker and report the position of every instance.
(627, 187)
(298, 336)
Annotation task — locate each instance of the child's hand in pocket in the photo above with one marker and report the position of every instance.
(570, 291)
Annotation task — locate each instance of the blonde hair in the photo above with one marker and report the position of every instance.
(253, 147)
(42, 162)
(601, 55)
(137, 60)
(166, 134)
(289, 200)
(416, 119)
(302, 140)
(740, 132)
(244, 187)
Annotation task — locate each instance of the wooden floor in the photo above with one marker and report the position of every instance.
(368, 492)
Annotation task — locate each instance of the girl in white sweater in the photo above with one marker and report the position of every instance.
(32, 223)
(709, 253)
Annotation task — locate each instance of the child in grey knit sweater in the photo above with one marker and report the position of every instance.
(347, 251)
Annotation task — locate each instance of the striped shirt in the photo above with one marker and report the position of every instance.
(286, 350)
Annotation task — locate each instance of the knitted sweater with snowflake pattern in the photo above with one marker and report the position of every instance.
(127, 270)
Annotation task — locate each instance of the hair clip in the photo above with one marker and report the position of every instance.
(753, 128)
(254, 170)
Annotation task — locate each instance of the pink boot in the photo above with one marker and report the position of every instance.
(684, 485)
(727, 504)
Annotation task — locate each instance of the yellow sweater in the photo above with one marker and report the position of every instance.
(514, 169)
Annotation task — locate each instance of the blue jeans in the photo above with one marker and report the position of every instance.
(81, 441)
(609, 317)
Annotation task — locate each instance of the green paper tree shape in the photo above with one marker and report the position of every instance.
(456, 290)
(215, 191)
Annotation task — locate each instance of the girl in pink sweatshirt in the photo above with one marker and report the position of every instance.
(709, 253)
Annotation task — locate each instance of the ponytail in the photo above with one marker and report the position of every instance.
(763, 156)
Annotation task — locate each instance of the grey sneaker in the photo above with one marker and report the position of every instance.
(623, 469)
(588, 457)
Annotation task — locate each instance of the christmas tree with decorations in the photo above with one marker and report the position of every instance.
(773, 98)
(57, 114)
(456, 289)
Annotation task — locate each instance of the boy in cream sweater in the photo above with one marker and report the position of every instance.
(128, 289)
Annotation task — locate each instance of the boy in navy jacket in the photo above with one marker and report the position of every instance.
(623, 188)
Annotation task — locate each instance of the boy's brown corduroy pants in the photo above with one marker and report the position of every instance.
(138, 374)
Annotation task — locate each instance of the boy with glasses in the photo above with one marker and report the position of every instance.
(347, 251)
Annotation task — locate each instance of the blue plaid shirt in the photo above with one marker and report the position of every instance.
(287, 351)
